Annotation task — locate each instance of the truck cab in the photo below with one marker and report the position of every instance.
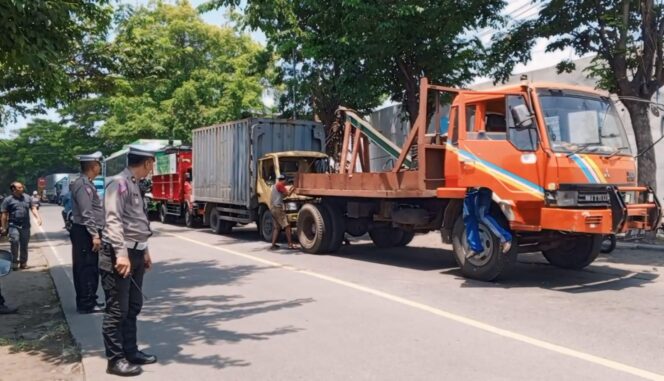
(558, 162)
(289, 164)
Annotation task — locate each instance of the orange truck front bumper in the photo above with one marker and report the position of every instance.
(593, 221)
(646, 214)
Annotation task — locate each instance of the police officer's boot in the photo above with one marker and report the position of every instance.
(123, 368)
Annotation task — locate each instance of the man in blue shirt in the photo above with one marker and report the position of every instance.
(15, 211)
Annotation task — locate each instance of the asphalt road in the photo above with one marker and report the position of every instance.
(225, 307)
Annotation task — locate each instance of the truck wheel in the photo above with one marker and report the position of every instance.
(386, 237)
(313, 225)
(265, 224)
(190, 219)
(575, 253)
(218, 225)
(609, 243)
(357, 227)
(164, 218)
(337, 226)
(487, 266)
(406, 238)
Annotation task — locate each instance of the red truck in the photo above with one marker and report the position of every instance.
(171, 186)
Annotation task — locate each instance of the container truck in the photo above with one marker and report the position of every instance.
(236, 163)
(53, 186)
(555, 157)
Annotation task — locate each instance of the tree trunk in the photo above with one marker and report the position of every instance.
(647, 166)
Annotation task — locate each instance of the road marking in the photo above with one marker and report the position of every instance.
(448, 315)
(55, 252)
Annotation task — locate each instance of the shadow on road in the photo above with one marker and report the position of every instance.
(533, 271)
(180, 313)
(416, 258)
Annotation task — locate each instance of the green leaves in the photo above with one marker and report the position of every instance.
(42, 43)
(41, 148)
(171, 73)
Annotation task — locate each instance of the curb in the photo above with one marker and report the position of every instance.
(639, 246)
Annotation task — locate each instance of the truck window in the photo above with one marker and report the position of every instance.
(454, 124)
(524, 139)
(470, 118)
(267, 171)
(492, 124)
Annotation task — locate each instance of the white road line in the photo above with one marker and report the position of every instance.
(448, 315)
(55, 252)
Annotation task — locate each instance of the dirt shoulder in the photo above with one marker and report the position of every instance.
(36, 344)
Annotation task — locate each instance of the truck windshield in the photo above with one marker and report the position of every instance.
(292, 165)
(583, 123)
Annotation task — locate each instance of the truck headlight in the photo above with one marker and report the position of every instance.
(566, 198)
(629, 197)
(291, 207)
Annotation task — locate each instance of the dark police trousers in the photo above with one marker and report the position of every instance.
(19, 236)
(85, 263)
(2, 300)
(123, 303)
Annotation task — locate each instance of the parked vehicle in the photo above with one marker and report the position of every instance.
(171, 186)
(117, 162)
(41, 186)
(235, 165)
(555, 156)
(53, 186)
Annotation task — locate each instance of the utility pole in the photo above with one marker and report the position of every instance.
(293, 88)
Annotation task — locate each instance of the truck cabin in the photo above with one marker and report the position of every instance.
(560, 146)
(292, 163)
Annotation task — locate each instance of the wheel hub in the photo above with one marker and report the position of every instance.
(484, 257)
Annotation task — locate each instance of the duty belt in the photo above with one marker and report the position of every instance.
(136, 245)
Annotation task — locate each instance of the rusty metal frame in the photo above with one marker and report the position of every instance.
(352, 180)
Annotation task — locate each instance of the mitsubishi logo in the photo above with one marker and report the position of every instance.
(606, 173)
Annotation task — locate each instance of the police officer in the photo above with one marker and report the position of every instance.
(123, 259)
(85, 235)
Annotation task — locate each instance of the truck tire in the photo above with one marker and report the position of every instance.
(608, 243)
(313, 228)
(406, 238)
(386, 237)
(190, 220)
(164, 218)
(337, 228)
(218, 225)
(265, 224)
(576, 253)
(493, 262)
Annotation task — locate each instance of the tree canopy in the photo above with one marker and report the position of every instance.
(626, 37)
(42, 57)
(172, 73)
(41, 148)
(355, 51)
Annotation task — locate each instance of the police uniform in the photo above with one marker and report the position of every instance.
(18, 209)
(125, 234)
(88, 221)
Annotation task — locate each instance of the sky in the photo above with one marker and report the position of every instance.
(519, 9)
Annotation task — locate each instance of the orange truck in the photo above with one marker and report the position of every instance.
(555, 156)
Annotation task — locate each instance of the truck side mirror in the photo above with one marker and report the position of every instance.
(5, 262)
(522, 116)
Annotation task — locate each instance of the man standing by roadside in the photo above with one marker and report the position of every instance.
(123, 259)
(15, 211)
(279, 219)
(85, 234)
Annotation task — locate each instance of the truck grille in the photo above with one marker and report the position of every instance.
(594, 199)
